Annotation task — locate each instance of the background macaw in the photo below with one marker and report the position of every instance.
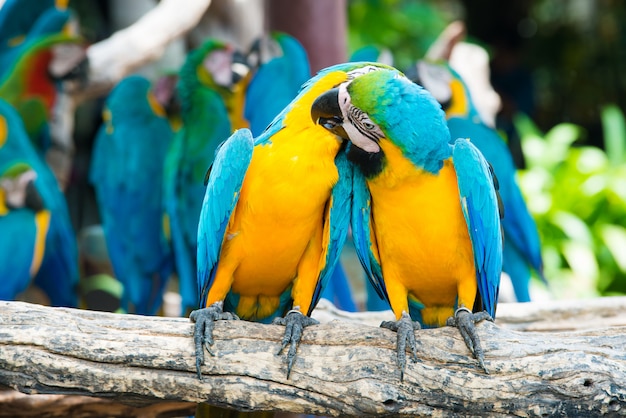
(522, 247)
(277, 79)
(425, 218)
(274, 219)
(23, 24)
(57, 275)
(127, 175)
(209, 86)
(24, 223)
(26, 81)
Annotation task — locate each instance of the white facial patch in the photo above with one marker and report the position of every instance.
(357, 124)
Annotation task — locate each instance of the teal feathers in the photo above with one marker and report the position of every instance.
(127, 175)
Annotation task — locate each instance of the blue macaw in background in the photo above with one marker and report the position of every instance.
(522, 247)
(24, 223)
(425, 219)
(209, 86)
(273, 221)
(127, 175)
(58, 273)
(277, 79)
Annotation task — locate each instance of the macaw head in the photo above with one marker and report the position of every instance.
(216, 65)
(381, 110)
(17, 188)
(446, 85)
(131, 99)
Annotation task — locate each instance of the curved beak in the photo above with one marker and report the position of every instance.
(326, 112)
(33, 200)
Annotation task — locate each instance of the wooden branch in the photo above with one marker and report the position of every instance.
(112, 59)
(342, 368)
(546, 316)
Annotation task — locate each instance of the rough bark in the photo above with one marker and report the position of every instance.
(545, 316)
(342, 368)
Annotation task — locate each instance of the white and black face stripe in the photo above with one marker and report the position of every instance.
(362, 123)
(361, 130)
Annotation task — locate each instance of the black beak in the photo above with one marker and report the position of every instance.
(326, 112)
(34, 200)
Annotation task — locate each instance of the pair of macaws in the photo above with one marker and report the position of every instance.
(37, 239)
(363, 145)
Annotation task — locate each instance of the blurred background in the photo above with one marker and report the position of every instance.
(558, 67)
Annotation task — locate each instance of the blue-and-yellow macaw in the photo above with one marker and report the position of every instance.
(277, 79)
(274, 84)
(57, 275)
(24, 223)
(522, 247)
(210, 93)
(425, 217)
(274, 219)
(127, 175)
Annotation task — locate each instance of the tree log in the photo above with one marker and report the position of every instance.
(342, 368)
(546, 316)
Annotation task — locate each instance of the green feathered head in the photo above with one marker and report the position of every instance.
(385, 105)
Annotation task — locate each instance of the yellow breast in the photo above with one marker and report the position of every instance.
(422, 237)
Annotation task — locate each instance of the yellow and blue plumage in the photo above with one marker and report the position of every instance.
(522, 246)
(425, 217)
(274, 218)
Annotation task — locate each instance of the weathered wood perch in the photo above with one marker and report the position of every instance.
(342, 368)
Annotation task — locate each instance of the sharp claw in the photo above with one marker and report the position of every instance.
(464, 320)
(405, 328)
(203, 330)
(294, 323)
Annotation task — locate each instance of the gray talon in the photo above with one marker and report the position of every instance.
(294, 323)
(405, 328)
(203, 330)
(464, 320)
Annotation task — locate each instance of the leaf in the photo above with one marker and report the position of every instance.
(614, 237)
(559, 140)
(614, 127)
(573, 227)
(581, 260)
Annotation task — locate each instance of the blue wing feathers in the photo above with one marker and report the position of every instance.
(480, 209)
(221, 196)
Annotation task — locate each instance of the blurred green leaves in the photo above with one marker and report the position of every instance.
(406, 27)
(577, 195)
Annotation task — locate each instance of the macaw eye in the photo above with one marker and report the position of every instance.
(369, 126)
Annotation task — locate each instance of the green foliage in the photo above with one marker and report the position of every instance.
(577, 195)
(406, 27)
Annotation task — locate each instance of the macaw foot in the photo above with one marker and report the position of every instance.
(405, 328)
(203, 331)
(294, 322)
(464, 320)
